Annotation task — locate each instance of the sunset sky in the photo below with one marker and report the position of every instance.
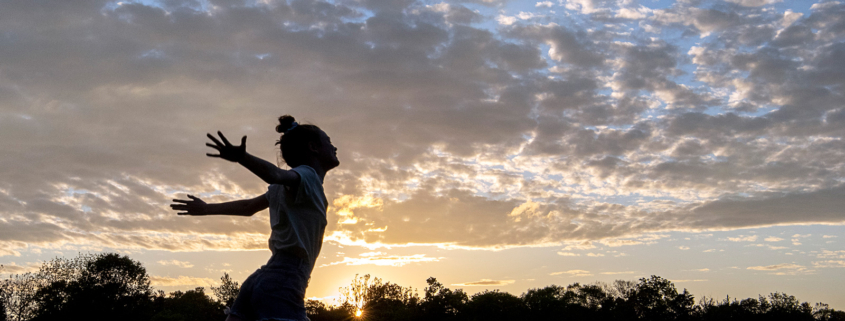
(491, 144)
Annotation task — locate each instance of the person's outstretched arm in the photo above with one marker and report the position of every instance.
(198, 207)
(271, 174)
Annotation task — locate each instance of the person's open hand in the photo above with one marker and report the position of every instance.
(195, 206)
(226, 150)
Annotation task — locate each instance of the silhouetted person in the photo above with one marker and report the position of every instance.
(297, 205)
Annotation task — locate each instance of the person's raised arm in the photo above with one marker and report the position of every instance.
(198, 207)
(271, 174)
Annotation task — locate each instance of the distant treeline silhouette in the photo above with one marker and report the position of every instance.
(113, 287)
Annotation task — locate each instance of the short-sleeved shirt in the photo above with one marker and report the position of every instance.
(298, 216)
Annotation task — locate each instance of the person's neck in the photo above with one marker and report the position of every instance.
(321, 172)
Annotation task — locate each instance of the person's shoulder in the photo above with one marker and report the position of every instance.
(310, 184)
(305, 170)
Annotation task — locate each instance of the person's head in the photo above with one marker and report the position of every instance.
(305, 144)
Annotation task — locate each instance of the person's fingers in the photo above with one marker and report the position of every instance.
(243, 141)
(212, 155)
(212, 146)
(182, 213)
(225, 141)
(213, 139)
(192, 197)
(180, 201)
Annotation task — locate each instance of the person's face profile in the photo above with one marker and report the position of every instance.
(327, 152)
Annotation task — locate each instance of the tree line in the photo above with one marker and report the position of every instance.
(109, 286)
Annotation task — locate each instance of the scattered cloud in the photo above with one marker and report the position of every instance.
(178, 263)
(827, 254)
(583, 245)
(617, 273)
(644, 239)
(384, 260)
(506, 20)
(687, 281)
(796, 239)
(771, 247)
(568, 254)
(182, 281)
(829, 264)
(14, 268)
(775, 267)
(486, 282)
(742, 238)
(754, 3)
(573, 273)
(700, 270)
(782, 269)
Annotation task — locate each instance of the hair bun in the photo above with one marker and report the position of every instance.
(285, 123)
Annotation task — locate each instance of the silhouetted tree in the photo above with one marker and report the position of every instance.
(114, 287)
(2, 309)
(191, 305)
(495, 305)
(315, 307)
(576, 301)
(379, 300)
(823, 312)
(545, 303)
(441, 303)
(94, 287)
(787, 307)
(777, 306)
(727, 309)
(18, 296)
(356, 294)
(319, 311)
(656, 298)
(227, 291)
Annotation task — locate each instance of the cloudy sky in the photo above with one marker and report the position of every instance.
(490, 143)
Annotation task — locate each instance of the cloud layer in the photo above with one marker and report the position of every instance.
(456, 126)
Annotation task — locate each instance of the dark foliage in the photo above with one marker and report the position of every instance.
(441, 303)
(114, 287)
(2, 309)
(93, 287)
(381, 300)
(187, 306)
(100, 287)
(227, 291)
(319, 311)
(653, 298)
(495, 305)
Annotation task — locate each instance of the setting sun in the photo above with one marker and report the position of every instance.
(358, 313)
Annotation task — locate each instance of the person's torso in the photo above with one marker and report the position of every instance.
(298, 216)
